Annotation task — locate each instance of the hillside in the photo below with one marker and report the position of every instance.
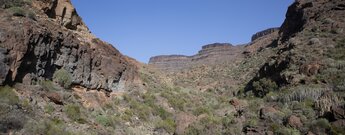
(56, 77)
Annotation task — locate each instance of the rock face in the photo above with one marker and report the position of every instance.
(33, 50)
(264, 33)
(294, 121)
(210, 54)
(63, 11)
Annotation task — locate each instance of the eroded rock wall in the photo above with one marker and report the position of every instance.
(32, 50)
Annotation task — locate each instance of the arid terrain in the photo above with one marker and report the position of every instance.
(57, 78)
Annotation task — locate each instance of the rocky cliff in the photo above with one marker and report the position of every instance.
(32, 48)
(264, 33)
(209, 54)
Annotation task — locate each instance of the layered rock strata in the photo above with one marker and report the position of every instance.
(209, 54)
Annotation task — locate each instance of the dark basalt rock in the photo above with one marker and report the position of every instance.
(31, 51)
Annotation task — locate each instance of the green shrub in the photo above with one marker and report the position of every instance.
(49, 108)
(192, 130)
(26, 104)
(302, 93)
(264, 86)
(17, 11)
(74, 113)
(228, 121)
(176, 98)
(14, 3)
(63, 78)
(338, 52)
(168, 125)
(202, 110)
(48, 85)
(31, 15)
(127, 115)
(322, 123)
(47, 127)
(162, 113)
(7, 95)
(287, 131)
(207, 125)
(140, 109)
(104, 120)
(251, 122)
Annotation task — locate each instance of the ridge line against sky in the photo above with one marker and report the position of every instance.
(145, 28)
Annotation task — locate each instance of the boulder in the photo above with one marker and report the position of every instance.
(267, 112)
(294, 121)
(339, 123)
(314, 41)
(338, 112)
(55, 97)
(235, 102)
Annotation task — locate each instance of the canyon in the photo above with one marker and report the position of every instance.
(56, 77)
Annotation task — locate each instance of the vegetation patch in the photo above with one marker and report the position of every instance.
(47, 127)
(8, 96)
(264, 86)
(73, 112)
(63, 78)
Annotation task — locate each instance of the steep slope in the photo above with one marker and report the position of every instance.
(54, 37)
(291, 81)
(53, 71)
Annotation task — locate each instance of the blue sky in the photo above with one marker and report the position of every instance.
(145, 28)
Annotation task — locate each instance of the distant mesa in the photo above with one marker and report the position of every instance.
(264, 33)
(213, 53)
(209, 54)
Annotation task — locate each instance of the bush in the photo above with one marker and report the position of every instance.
(321, 123)
(74, 113)
(202, 110)
(8, 96)
(301, 94)
(49, 108)
(338, 52)
(48, 85)
(264, 86)
(162, 113)
(63, 78)
(228, 121)
(168, 125)
(321, 126)
(287, 131)
(176, 98)
(31, 15)
(47, 127)
(14, 3)
(104, 120)
(17, 11)
(207, 125)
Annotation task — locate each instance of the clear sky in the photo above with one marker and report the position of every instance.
(145, 28)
